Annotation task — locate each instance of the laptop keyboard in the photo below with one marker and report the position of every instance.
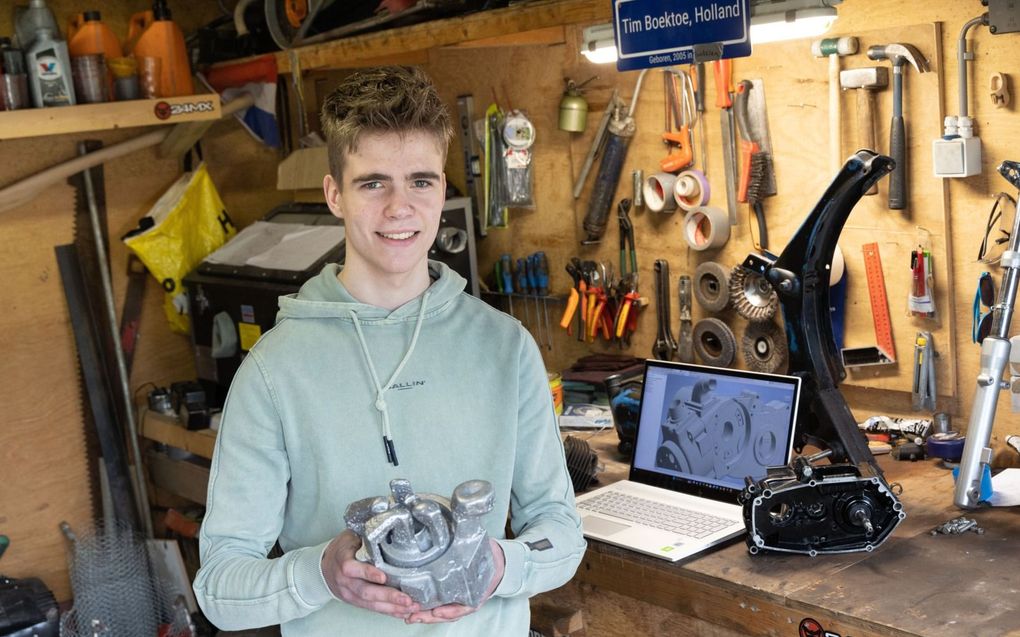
(657, 515)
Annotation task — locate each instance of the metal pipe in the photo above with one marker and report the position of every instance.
(962, 56)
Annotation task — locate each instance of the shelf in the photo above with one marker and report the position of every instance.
(167, 430)
(36, 122)
(535, 22)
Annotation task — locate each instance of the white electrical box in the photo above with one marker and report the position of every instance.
(956, 157)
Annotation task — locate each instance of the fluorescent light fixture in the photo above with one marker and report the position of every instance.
(599, 44)
(774, 20)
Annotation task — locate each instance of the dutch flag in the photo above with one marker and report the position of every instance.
(256, 77)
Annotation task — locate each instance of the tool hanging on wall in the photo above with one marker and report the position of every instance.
(714, 342)
(866, 81)
(764, 347)
(573, 107)
(681, 114)
(723, 72)
(712, 286)
(899, 55)
(884, 352)
(923, 393)
(597, 142)
(621, 130)
(685, 348)
(755, 160)
(472, 165)
(997, 349)
(833, 48)
(751, 295)
(697, 72)
(665, 345)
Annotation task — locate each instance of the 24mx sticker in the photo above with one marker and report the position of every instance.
(164, 110)
(812, 628)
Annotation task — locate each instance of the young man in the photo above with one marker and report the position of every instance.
(382, 369)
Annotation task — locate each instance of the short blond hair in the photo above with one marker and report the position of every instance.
(383, 99)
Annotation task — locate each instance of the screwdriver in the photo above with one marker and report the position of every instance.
(506, 280)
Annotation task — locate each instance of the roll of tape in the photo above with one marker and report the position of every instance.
(706, 228)
(691, 189)
(658, 192)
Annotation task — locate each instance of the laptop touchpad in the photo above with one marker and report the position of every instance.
(599, 526)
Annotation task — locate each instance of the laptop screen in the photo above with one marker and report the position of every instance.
(703, 429)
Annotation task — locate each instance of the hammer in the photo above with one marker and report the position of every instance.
(898, 55)
(866, 81)
(833, 48)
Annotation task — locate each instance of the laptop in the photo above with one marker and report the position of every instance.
(701, 431)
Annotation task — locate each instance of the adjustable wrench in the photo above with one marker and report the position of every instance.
(665, 345)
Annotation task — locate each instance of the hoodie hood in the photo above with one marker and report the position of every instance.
(324, 296)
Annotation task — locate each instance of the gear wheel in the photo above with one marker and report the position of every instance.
(711, 286)
(764, 347)
(714, 342)
(752, 295)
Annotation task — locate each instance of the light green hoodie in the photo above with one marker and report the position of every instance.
(301, 438)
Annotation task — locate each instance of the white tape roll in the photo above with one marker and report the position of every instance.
(691, 189)
(658, 192)
(706, 228)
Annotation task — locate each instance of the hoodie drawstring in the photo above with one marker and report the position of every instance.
(380, 396)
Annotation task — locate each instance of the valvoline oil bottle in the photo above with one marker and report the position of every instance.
(163, 39)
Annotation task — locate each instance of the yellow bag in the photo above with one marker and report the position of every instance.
(188, 223)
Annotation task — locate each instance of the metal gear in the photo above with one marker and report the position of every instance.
(714, 342)
(764, 347)
(752, 295)
(711, 286)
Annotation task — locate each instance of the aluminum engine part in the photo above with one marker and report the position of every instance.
(434, 549)
(818, 509)
(719, 436)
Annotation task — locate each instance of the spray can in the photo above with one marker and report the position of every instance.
(49, 71)
(13, 80)
(164, 40)
(29, 21)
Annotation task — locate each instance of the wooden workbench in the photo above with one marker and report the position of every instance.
(914, 584)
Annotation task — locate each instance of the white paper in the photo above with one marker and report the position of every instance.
(1005, 488)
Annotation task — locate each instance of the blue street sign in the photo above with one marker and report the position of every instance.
(666, 32)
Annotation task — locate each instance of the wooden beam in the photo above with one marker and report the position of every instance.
(494, 26)
(538, 37)
(34, 122)
(169, 431)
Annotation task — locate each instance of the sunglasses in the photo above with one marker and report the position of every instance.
(984, 296)
(996, 234)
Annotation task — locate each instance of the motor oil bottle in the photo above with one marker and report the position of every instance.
(49, 71)
(29, 21)
(163, 39)
(87, 34)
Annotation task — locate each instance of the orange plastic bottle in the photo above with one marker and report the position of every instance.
(163, 39)
(87, 34)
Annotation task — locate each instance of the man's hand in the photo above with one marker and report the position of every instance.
(453, 612)
(361, 584)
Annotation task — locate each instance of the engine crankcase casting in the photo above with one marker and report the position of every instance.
(432, 548)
